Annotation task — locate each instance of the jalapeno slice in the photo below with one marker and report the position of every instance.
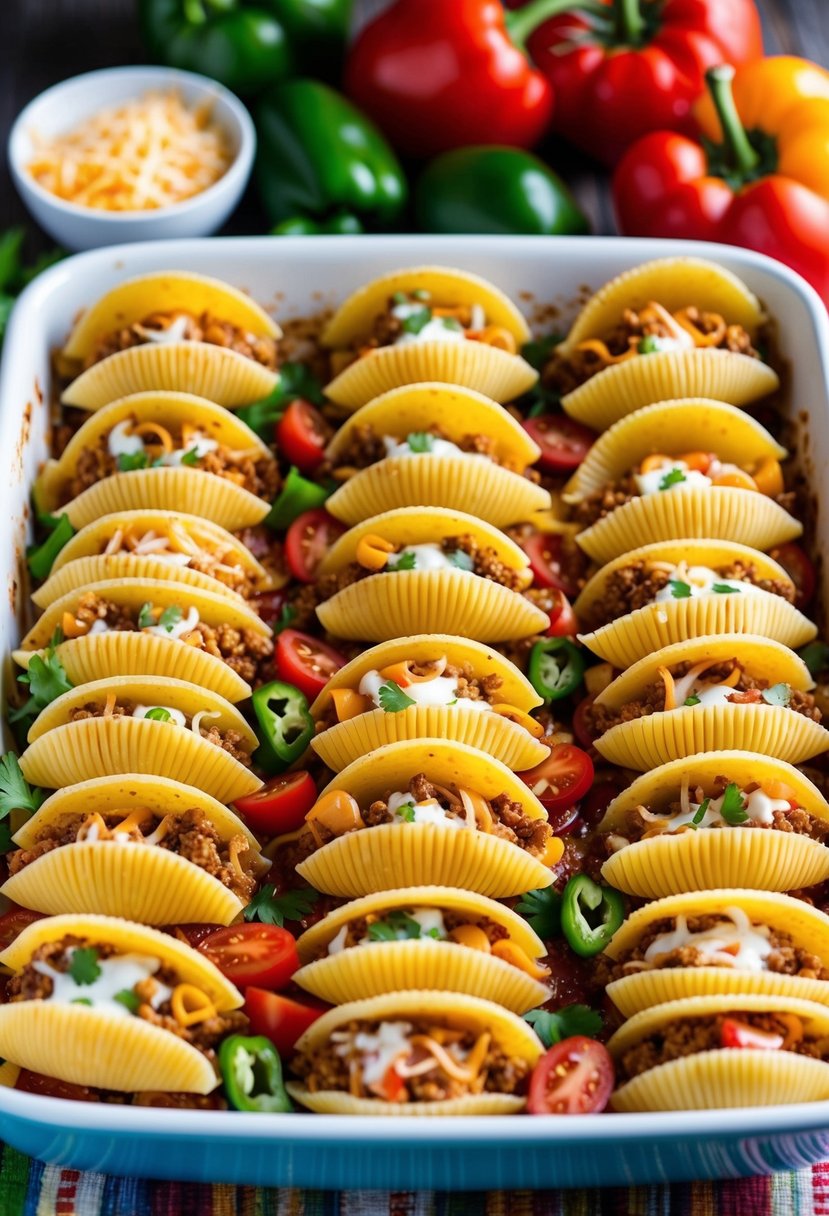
(284, 726)
(252, 1074)
(590, 915)
(556, 668)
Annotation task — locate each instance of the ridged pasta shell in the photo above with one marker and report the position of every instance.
(644, 989)
(466, 483)
(619, 390)
(216, 499)
(214, 372)
(135, 299)
(77, 575)
(511, 1034)
(115, 655)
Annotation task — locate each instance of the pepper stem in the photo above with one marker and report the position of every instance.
(744, 158)
(524, 21)
(630, 24)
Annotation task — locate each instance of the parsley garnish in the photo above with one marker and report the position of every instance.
(129, 461)
(572, 1019)
(272, 909)
(778, 694)
(701, 812)
(542, 912)
(396, 926)
(406, 561)
(191, 457)
(41, 558)
(15, 792)
(733, 805)
(416, 321)
(649, 345)
(460, 559)
(679, 590)
(45, 679)
(393, 698)
(406, 812)
(170, 617)
(692, 700)
(420, 441)
(83, 966)
(128, 999)
(158, 714)
(672, 478)
(537, 353)
(146, 616)
(724, 589)
(399, 297)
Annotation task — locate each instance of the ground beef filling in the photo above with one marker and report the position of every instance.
(470, 688)
(637, 585)
(201, 328)
(785, 958)
(241, 649)
(365, 447)
(191, 835)
(32, 985)
(257, 476)
(338, 1065)
(229, 741)
(565, 372)
(747, 691)
(795, 820)
(689, 1036)
(358, 930)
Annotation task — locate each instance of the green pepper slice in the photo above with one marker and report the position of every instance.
(297, 495)
(252, 1074)
(42, 557)
(285, 726)
(590, 915)
(556, 668)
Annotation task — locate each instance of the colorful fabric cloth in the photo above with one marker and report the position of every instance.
(28, 1188)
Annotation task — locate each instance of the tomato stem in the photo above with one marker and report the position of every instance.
(630, 24)
(522, 22)
(744, 158)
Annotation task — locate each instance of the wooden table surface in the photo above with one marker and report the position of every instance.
(43, 41)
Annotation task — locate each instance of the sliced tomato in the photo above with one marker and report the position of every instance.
(301, 435)
(563, 622)
(564, 442)
(562, 779)
(280, 805)
(575, 1077)
(13, 921)
(306, 662)
(307, 541)
(740, 1034)
(279, 1018)
(253, 954)
(546, 552)
(50, 1087)
(800, 569)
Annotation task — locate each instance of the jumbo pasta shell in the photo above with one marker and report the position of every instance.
(216, 499)
(85, 570)
(644, 989)
(390, 856)
(214, 372)
(627, 639)
(135, 299)
(509, 1032)
(384, 967)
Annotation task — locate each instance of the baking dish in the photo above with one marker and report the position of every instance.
(296, 277)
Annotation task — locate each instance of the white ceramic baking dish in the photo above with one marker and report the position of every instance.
(298, 276)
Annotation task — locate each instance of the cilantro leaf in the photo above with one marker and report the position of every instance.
(146, 616)
(420, 293)
(538, 352)
(679, 590)
(295, 380)
(84, 967)
(158, 714)
(701, 812)
(406, 561)
(420, 441)
(15, 792)
(399, 297)
(191, 457)
(272, 909)
(416, 321)
(40, 558)
(778, 694)
(649, 345)
(128, 461)
(46, 680)
(406, 812)
(672, 478)
(551, 1027)
(461, 559)
(733, 804)
(129, 999)
(724, 589)
(170, 617)
(692, 700)
(393, 698)
(542, 912)
(394, 927)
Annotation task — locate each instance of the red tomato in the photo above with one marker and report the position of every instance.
(564, 442)
(279, 1018)
(596, 801)
(306, 662)
(575, 1077)
(50, 1087)
(740, 1034)
(280, 805)
(253, 954)
(565, 820)
(13, 922)
(800, 569)
(307, 540)
(563, 622)
(545, 551)
(301, 435)
(562, 779)
(582, 723)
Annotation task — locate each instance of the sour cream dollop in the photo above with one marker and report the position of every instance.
(702, 581)
(427, 557)
(652, 481)
(732, 942)
(442, 690)
(115, 975)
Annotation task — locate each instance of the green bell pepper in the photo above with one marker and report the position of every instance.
(498, 190)
(297, 495)
(246, 44)
(322, 166)
(590, 915)
(556, 668)
(41, 558)
(285, 727)
(252, 1074)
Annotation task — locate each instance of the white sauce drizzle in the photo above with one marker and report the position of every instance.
(732, 942)
(701, 580)
(176, 631)
(118, 973)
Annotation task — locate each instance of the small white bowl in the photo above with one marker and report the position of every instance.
(65, 105)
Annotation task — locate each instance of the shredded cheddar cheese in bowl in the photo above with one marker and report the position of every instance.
(144, 154)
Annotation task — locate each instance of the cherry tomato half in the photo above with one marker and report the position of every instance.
(546, 553)
(800, 569)
(562, 779)
(253, 954)
(13, 922)
(301, 435)
(564, 442)
(50, 1087)
(307, 540)
(305, 662)
(563, 621)
(575, 1077)
(279, 1018)
(280, 805)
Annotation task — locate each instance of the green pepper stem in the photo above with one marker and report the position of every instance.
(744, 158)
(628, 21)
(524, 21)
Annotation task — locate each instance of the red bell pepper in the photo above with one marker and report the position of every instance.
(441, 74)
(760, 180)
(622, 68)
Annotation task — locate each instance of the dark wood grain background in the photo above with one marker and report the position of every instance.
(43, 41)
